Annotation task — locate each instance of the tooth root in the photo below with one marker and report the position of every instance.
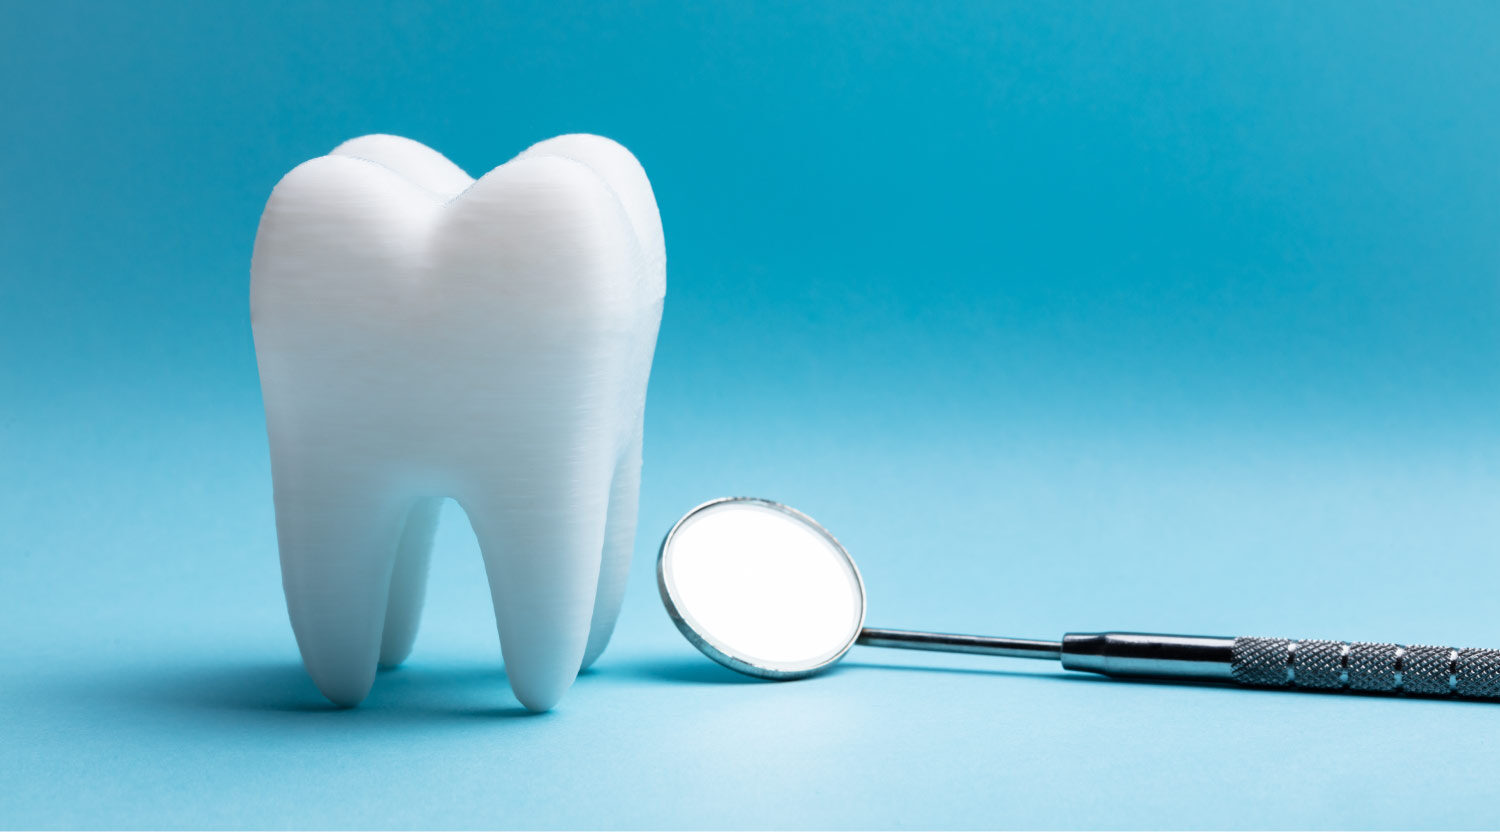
(542, 550)
(619, 545)
(403, 612)
(336, 561)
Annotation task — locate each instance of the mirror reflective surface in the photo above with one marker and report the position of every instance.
(761, 587)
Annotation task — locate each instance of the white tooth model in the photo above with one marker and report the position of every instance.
(424, 335)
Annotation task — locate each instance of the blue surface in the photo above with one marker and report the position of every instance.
(1174, 317)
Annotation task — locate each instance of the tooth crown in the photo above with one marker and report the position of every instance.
(423, 335)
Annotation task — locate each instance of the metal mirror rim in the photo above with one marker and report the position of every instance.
(722, 655)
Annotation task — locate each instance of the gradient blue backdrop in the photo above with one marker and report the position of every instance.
(1171, 316)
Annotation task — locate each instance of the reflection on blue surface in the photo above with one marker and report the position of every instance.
(1060, 316)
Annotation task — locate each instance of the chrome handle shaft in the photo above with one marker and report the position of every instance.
(1257, 662)
(1160, 656)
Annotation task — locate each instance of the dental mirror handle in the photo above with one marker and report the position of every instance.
(1255, 662)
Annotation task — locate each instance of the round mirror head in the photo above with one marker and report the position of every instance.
(761, 588)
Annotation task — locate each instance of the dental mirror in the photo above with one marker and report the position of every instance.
(763, 589)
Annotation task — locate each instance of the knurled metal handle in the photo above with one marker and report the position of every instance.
(1364, 666)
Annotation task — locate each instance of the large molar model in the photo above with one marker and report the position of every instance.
(423, 335)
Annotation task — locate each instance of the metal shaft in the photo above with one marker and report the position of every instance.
(1204, 658)
(1018, 648)
(1257, 662)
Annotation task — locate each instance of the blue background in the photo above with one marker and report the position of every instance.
(1155, 316)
